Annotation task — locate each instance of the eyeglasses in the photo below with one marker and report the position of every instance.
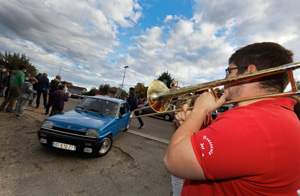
(228, 70)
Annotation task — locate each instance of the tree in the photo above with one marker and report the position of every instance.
(123, 94)
(104, 89)
(166, 78)
(140, 90)
(13, 61)
(92, 92)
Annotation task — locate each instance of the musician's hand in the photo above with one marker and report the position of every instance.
(208, 103)
(182, 116)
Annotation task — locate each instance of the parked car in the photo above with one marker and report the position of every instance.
(77, 96)
(220, 110)
(90, 127)
(149, 110)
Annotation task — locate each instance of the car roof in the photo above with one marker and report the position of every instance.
(108, 98)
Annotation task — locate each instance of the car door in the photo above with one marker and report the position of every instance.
(123, 117)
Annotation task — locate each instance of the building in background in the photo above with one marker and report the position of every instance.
(76, 89)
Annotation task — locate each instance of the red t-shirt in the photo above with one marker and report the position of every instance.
(249, 150)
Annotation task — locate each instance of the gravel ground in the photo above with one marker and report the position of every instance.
(134, 166)
(17, 135)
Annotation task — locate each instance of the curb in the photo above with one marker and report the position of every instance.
(147, 136)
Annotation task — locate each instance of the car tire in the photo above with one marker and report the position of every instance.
(106, 146)
(126, 129)
(168, 117)
(141, 112)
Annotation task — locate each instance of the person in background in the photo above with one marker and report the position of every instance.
(3, 80)
(54, 84)
(53, 87)
(42, 88)
(57, 100)
(35, 88)
(66, 87)
(8, 72)
(16, 79)
(140, 101)
(133, 103)
(26, 94)
(27, 76)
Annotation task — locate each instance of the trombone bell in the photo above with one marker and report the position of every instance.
(154, 96)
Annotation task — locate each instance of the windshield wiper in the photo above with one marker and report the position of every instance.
(93, 110)
(84, 109)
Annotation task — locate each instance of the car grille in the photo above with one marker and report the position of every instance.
(68, 131)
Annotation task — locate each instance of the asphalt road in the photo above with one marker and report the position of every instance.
(154, 126)
(134, 166)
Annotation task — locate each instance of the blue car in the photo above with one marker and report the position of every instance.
(90, 127)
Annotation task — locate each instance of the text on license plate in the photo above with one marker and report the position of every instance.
(64, 146)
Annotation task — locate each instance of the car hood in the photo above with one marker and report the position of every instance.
(81, 119)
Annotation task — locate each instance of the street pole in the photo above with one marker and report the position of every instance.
(119, 96)
(59, 70)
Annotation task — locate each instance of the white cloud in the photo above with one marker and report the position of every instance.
(83, 37)
(197, 50)
(77, 35)
(121, 10)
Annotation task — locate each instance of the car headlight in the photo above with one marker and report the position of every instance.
(92, 132)
(47, 124)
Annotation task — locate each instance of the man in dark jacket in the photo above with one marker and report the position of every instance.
(133, 103)
(54, 84)
(3, 80)
(57, 100)
(42, 87)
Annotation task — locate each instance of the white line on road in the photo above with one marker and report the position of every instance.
(148, 136)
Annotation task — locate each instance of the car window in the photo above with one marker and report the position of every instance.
(112, 108)
(124, 108)
(101, 106)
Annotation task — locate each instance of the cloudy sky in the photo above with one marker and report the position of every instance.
(91, 41)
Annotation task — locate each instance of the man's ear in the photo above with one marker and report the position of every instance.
(251, 68)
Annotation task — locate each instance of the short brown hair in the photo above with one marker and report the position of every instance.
(264, 55)
(33, 79)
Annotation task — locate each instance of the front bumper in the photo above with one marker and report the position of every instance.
(83, 143)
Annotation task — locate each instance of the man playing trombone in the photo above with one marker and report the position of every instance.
(252, 149)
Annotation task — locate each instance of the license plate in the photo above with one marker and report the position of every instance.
(64, 146)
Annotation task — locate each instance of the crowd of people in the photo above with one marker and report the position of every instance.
(19, 87)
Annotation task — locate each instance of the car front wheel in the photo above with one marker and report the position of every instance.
(127, 127)
(106, 146)
(141, 112)
(167, 117)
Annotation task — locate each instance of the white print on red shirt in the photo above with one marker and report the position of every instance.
(209, 146)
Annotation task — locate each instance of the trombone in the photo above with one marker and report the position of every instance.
(160, 97)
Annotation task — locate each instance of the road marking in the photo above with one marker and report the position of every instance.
(148, 136)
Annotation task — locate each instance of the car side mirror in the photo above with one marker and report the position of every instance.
(120, 115)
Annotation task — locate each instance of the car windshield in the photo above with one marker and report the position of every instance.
(101, 106)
